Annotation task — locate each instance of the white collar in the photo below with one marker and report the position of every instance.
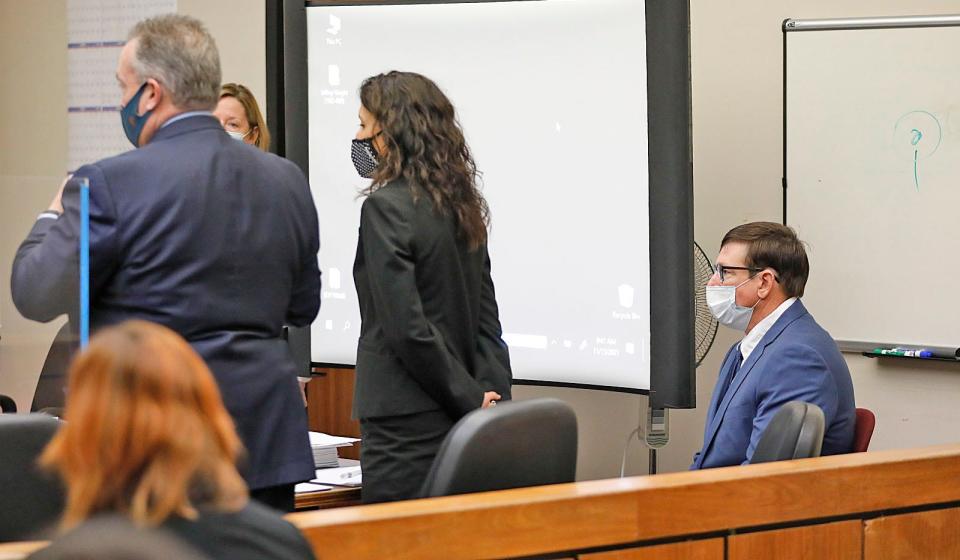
(754, 337)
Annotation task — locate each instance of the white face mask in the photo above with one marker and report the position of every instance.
(239, 135)
(723, 304)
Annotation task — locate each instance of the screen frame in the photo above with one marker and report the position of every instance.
(672, 369)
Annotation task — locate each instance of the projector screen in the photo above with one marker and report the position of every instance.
(552, 97)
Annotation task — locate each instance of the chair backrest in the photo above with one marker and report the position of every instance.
(111, 536)
(863, 429)
(794, 432)
(512, 445)
(7, 404)
(31, 501)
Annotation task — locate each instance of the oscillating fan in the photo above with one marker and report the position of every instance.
(706, 324)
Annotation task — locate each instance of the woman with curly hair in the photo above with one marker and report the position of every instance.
(430, 348)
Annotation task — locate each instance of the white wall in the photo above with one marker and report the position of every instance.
(239, 28)
(33, 161)
(736, 59)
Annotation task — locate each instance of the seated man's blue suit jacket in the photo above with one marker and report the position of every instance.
(795, 361)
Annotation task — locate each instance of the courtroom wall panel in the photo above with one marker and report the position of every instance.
(707, 549)
(840, 541)
(330, 400)
(926, 534)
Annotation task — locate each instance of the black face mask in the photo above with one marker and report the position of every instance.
(364, 156)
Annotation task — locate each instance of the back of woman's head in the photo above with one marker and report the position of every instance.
(146, 432)
(425, 146)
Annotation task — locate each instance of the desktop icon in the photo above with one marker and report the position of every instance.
(626, 295)
(334, 278)
(334, 25)
(333, 75)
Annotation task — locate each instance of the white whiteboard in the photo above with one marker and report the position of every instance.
(873, 179)
(552, 98)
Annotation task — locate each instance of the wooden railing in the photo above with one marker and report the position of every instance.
(881, 505)
(889, 504)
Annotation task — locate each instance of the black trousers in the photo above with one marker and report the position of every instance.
(280, 498)
(397, 452)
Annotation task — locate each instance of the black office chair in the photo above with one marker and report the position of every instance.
(794, 432)
(511, 445)
(7, 404)
(31, 501)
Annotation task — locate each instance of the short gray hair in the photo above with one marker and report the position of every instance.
(178, 52)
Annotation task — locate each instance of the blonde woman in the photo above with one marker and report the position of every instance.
(240, 116)
(147, 437)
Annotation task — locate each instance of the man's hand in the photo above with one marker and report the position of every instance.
(56, 205)
(490, 398)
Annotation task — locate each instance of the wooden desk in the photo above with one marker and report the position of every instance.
(339, 496)
(342, 496)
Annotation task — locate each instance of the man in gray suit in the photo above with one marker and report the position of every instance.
(196, 231)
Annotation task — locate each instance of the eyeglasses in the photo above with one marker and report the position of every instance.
(723, 270)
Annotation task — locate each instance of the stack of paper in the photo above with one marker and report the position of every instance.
(325, 446)
(308, 487)
(342, 476)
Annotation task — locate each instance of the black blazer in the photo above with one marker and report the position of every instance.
(430, 334)
(252, 533)
(214, 239)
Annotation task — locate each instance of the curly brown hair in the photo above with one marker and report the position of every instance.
(425, 147)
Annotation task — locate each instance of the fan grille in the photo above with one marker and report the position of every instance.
(705, 323)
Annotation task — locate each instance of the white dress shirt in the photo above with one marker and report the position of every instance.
(753, 337)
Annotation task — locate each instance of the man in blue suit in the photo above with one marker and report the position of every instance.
(784, 356)
(196, 231)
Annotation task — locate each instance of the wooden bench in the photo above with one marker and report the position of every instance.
(889, 504)
(878, 505)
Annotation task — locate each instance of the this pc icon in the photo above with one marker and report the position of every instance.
(334, 25)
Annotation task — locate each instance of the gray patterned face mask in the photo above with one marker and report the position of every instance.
(364, 156)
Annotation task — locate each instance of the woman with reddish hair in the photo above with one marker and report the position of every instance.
(146, 436)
